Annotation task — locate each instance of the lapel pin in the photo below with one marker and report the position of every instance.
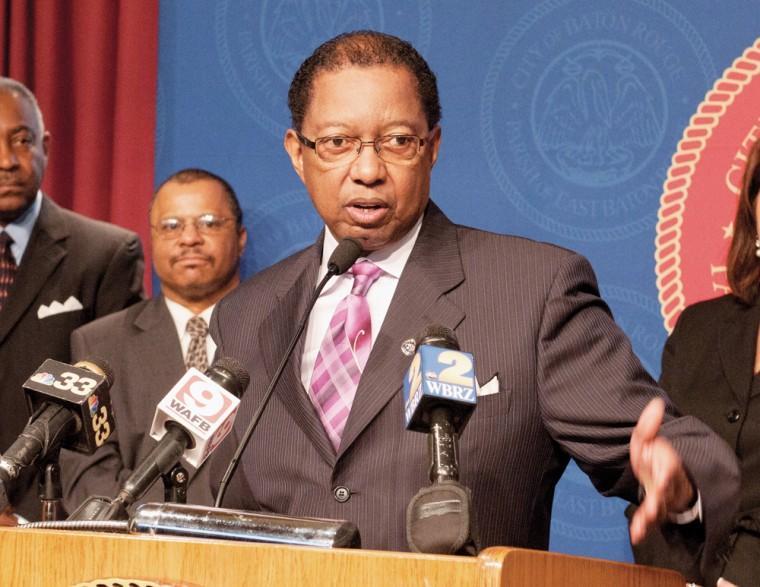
(408, 347)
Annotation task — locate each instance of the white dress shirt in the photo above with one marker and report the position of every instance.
(20, 230)
(391, 259)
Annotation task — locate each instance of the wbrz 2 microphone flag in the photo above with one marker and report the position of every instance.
(439, 375)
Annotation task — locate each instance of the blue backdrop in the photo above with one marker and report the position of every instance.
(559, 121)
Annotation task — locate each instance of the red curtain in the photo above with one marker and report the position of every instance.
(93, 66)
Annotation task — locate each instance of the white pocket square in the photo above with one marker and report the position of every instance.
(56, 307)
(489, 388)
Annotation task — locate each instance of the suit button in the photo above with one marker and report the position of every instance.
(733, 416)
(342, 494)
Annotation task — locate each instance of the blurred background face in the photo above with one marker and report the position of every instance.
(367, 199)
(195, 267)
(23, 155)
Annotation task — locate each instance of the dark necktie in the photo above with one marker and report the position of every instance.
(7, 268)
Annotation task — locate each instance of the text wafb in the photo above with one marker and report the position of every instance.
(204, 409)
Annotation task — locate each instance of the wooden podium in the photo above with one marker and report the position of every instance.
(48, 558)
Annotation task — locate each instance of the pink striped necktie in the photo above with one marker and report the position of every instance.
(343, 354)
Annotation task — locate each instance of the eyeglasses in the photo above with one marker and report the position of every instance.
(174, 226)
(340, 149)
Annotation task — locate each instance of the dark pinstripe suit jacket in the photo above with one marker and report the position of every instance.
(141, 345)
(530, 313)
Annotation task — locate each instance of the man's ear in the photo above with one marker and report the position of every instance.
(242, 240)
(46, 143)
(434, 142)
(295, 151)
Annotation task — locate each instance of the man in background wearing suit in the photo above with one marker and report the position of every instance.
(58, 270)
(197, 238)
(562, 378)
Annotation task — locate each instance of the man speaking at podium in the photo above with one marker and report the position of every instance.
(562, 378)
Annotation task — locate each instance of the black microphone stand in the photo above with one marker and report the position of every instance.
(50, 489)
(440, 518)
(175, 484)
(257, 415)
(348, 250)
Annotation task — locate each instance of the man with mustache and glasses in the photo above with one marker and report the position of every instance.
(558, 378)
(197, 237)
(58, 271)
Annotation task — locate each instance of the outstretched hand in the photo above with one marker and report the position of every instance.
(660, 472)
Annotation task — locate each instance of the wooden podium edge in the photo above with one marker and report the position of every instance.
(56, 558)
(502, 566)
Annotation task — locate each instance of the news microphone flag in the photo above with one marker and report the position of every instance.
(83, 389)
(439, 376)
(203, 408)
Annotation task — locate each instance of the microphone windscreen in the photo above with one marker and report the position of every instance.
(440, 520)
(344, 255)
(230, 374)
(440, 336)
(98, 365)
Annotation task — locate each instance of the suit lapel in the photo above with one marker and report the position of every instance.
(46, 249)
(152, 318)
(434, 268)
(737, 343)
(275, 335)
(155, 335)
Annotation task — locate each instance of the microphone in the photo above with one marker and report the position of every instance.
(171, 519)
(190, 422)
(344, 255)
(440, 394)
(225, 524)
(201, 408)
(70, 407)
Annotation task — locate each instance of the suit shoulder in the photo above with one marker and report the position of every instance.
(710, 311)
(97, 246)
(90, 228)
(515, 252)
(511, 244)
(267, 280)
(111, 325)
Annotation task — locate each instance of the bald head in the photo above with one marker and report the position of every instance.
(24, 147)
(12, 86)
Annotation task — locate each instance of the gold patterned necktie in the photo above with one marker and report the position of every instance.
(196, 352)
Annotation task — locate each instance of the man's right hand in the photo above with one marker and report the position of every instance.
(7, 518)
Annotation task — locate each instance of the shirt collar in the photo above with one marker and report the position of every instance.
(20, 230)
(391, 258)
(181, 315)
